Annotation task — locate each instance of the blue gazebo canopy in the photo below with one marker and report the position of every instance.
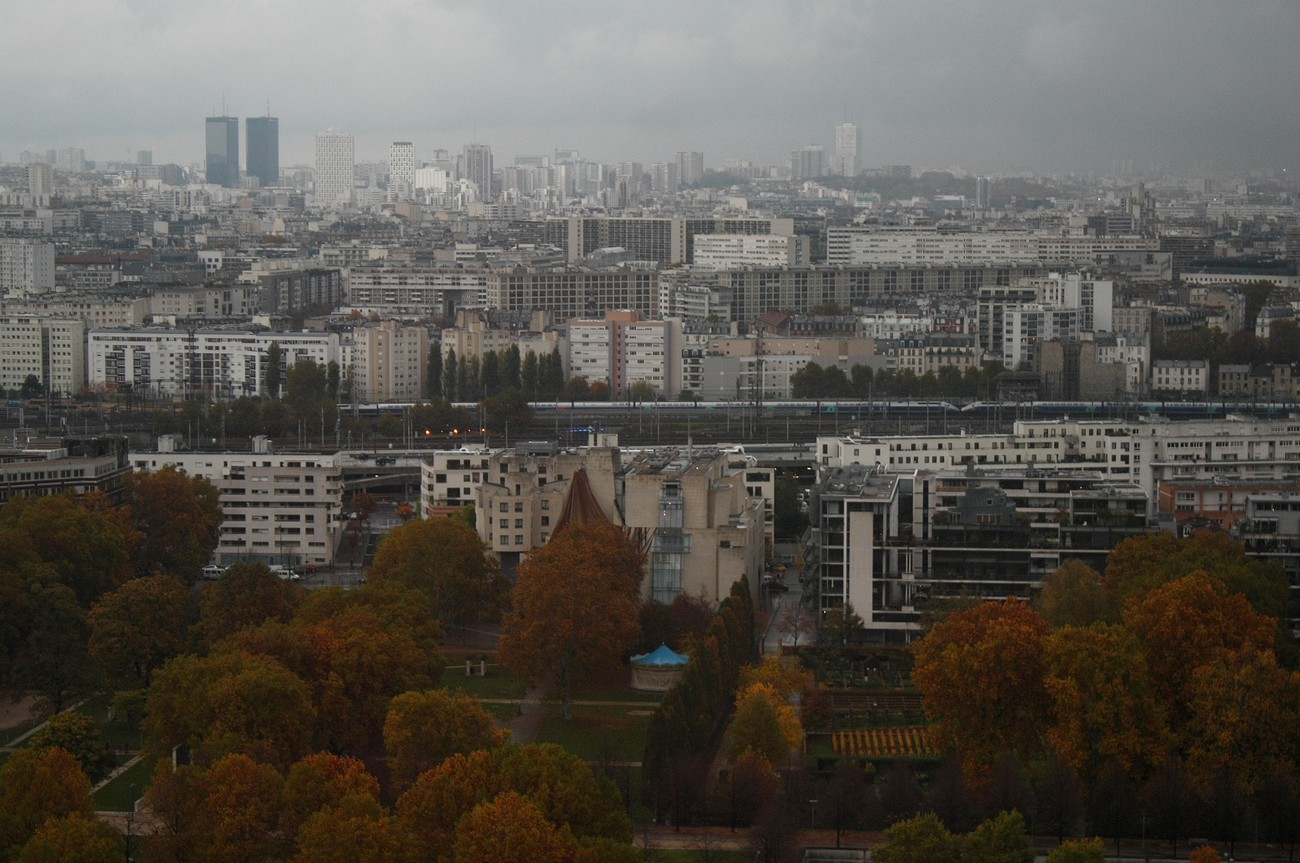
(661, 655)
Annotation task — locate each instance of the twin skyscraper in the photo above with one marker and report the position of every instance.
(262, 136)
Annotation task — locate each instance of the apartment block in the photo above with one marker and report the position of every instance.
(388, 362)
(52, 350)
(26, 267)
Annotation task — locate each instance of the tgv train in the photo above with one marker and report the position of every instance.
(900, 407)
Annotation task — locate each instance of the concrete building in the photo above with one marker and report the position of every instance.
(222, 164)
(571, 292)
(282, 508)
(476, 166)
(52, 350)
(224, 364)
(72, 465)
(26, 267)
(1180, 378)
(263, 150)
(808, 163)
(860, 245)
(335, 163)
(845, 161)
(693, 508)
(662, 240)
(388, 363)
(622, 349)
(690, 167)
(728, 251)
(401, 171)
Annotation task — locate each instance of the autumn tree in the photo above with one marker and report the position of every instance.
(1078, 851)
(239, 811)
(76, 838)
(246, 595)
(1140, 564)
(356, 828)
(1186, 623)
(1245, 711)
(1074, 594)
(510, 829)
(78, 735)
(445, 558)
(981, 672)
(1102, 705)
(757, 728)
(322, 781)
(80, 548)
(424, 728)
(179, 520)
(36, 786)
(230, 703)
(1001, 839)
(44, 635)
(576, 604)
(137, 627)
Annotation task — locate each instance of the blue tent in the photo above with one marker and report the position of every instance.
(657, 670)
(661, 655)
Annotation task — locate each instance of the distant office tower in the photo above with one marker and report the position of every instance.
(71, 160)
(807, 163)
(144, 157)
(982, 193)
(401, 170)
(664, 177)
(263, 139)
(40, 179)
(334, 166)
(476, 166)
(690, 167)
(223, 151)
(847, 152)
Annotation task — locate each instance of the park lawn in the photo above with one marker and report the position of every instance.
(120, 794)
(117, 736)
(597, 732)
(498, 683)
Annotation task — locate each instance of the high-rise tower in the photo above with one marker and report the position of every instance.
(334, 167)
(262, 136)
(477, 167)
(222, 166)
(401, 170)
(847, 152)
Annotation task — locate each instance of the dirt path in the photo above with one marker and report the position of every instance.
(526, 722)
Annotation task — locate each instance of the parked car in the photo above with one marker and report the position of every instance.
(212, 572)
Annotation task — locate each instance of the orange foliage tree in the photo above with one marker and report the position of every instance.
(981, 672)
(138, 627)
(35, 787)
(425, 728)
(576, 607)
(510, 829)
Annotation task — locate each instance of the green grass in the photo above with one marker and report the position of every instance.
(596, 733)
(119, 795)
(691, 855)
(497, 684)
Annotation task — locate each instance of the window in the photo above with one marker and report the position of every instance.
(504, 507)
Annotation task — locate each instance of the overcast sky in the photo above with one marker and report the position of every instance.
(988, 86)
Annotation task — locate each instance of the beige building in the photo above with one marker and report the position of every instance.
(703, 528)
(284, 508)
(53, 350)
(388, 362)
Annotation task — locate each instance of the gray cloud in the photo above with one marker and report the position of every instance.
(1050, 85)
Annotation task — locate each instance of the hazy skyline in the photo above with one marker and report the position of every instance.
(1045, 86)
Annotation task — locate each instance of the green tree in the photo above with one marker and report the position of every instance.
(83, 548)
(555, 378)
(32, 388)
(576, 606)
(1074, 594)
(507, 408)
(490, 374)
(445, 558)
(1001, 839)
(332, 381)
(641, 392)
(306, 383)
(137, 627)
(922, 838)
(529, 377)
(1078, 851)
(52, 658)
(78, 735)
(425, 728)
(272, 375)
(512, 369)
(433, 385)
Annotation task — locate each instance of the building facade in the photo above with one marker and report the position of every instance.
(222, 164)
(263, 149)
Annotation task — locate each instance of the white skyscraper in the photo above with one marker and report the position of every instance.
(334, 165)
(847, 153)
(401, 170)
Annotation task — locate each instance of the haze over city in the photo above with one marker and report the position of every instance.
(1042, 87)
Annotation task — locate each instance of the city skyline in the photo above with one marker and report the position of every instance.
(1046, 87)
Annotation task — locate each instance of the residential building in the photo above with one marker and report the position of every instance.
(51, 350)
(401, 170)
(222, 165)
(808, 163)
(281, 508)
(73, 465)
(388, 363)
(690, 167)
(1180, 378)
(26, 267)
(728, 251)
(335, 164)
(860, 245)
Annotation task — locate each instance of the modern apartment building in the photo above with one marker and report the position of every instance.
(284, 508)
(335, 163)
(388, 362)
(51, 350)
(26, 267)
